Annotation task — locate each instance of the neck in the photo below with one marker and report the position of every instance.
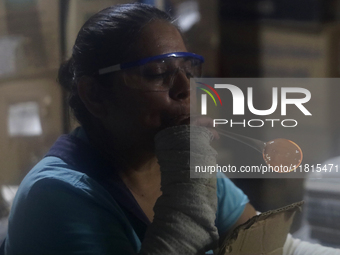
(127, 153)
(143, 179)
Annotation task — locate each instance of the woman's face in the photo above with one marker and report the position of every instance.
(137, 113)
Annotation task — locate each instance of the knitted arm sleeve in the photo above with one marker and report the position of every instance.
(184, 221)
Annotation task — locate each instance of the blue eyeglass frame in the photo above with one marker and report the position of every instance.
(143, 61)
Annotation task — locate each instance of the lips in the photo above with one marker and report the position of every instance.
(182, 119)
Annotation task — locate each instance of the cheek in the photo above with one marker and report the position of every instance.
(148, 109)
(153, 108)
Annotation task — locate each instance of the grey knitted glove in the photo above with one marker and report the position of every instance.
(184, 221)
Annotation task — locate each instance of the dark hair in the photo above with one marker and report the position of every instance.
(104, 40)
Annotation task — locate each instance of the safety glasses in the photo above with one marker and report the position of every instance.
(158, 73)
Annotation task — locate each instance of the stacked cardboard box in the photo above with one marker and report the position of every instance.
(31, 114)
(280, 51)
(35, 24)
(316, 11)
(3, 24)
(30, 100)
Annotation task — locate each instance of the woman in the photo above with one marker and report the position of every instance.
(95, 192)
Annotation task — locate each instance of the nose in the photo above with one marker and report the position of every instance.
(180, 86)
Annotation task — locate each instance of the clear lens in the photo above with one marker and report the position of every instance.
(159, 75)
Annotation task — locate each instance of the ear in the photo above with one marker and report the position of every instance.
(88, 92)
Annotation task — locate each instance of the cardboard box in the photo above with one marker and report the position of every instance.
(12, 55)
(3, 23)
(50, 30)
(302, 10)
(31, 114)
(250, 50)
(38, 23)
(263, 234)
(306, 54)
